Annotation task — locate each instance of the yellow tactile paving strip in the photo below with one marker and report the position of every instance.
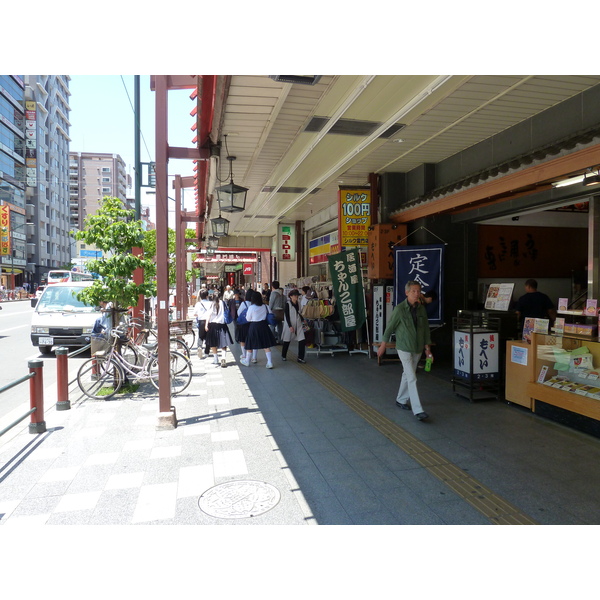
(492, 506)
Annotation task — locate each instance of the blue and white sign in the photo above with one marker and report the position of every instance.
(424, 264)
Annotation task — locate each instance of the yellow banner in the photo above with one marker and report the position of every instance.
(4, 230)
(354, 217)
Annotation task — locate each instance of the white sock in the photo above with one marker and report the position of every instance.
(268, 353)
(254, 354)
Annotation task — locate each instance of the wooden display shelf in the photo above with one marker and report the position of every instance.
(567, 400)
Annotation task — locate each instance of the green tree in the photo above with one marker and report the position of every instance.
(113, 230)
(150, 251)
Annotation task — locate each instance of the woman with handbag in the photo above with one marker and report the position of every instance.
(259, 335)
(202, 308)
(242, 325)
(218, 335)
(293, 327)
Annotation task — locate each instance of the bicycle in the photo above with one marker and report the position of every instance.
(145, 333)
(102, 376)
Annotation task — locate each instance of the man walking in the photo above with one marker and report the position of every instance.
(409, 323)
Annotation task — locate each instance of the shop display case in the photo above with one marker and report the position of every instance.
(566, 373)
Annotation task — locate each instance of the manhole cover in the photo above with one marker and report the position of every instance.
(239, 499)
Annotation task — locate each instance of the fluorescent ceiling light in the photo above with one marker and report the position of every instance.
(569, 181)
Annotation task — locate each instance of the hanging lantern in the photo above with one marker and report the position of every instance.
(231, 197)
(220, 226)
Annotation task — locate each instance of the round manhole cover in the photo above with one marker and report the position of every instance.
(239, 499)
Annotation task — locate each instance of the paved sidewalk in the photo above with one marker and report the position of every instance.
(324, 441)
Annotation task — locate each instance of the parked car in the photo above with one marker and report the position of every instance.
(39, 291)
(60, 319)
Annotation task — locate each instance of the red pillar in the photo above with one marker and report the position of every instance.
(36, 396)
(62, 379)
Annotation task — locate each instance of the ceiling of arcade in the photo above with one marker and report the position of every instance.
(296, 143)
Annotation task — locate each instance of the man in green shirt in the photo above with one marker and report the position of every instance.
(409, 323)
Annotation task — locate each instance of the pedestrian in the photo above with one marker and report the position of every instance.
(534, 304)
(241, 329)
(218, 335)
(266, 292)
(293, 327)
(228, 294)
(259, 335)
(201, 310)
(409, 322)
(306, 296)
(276, 302)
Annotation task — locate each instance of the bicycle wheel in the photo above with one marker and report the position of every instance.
(190, 338)
(178, 345)
(131, 355)
(180, 371)
(100, 378)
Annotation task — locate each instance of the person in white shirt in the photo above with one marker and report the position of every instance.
(228, 294)
(218, 335)
(259, 335)
(202, 308)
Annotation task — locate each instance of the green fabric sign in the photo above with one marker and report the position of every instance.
(348, 289)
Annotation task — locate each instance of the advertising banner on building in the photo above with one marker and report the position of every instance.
(320, 248)
(354, 216)
(476, 355)
(348, 289)
(286, 242)
(4, 230)
(30, 136)
(424, 264)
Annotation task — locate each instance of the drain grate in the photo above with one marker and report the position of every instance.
(239, 499)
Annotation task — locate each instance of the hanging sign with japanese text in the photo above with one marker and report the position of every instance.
(348, 290)
(354, 216)
(4, 230)
(424, 264)
(286, 242)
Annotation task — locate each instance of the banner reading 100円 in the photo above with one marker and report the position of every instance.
(354, 217)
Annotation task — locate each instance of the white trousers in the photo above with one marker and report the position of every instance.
(408, 384)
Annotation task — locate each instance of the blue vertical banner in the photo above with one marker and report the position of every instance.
(424, 264)
(346, 277)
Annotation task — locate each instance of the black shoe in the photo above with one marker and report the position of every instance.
(422, 416)
(404, 406)
(301, 361)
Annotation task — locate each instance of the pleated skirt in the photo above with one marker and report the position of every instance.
(259, 336)
(218, 336)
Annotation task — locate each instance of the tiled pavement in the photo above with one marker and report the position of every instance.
(104, 462)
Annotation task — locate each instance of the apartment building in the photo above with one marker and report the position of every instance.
(92, 176)
(46, 99)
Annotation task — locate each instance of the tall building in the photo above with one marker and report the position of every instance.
(47, 140)
(14, 236)
(92, 176)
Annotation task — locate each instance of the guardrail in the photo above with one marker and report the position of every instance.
(36, 397)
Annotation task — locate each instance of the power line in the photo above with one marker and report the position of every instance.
(137, 117)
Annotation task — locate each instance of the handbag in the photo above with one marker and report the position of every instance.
(241, 318)
(305, 326)
(271, 320)
(227, 313)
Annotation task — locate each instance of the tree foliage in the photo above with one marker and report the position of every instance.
(150, 251)
(113, 230)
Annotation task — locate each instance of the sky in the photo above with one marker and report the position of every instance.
(102, 120)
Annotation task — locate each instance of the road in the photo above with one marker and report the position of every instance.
(16, 350)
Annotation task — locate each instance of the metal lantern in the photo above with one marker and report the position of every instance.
(210, 252)
(231, 197)
(212, 242)
(220, 226)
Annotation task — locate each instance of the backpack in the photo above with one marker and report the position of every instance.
(227, 313)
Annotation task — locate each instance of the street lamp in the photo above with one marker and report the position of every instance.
(231, 197)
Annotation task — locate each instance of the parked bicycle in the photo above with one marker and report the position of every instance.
(103, 375)
(143, 332)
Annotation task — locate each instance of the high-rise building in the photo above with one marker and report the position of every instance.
(92, 176)
(14, 236)
(47, 140)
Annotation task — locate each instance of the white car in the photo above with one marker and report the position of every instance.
(59, 319)
(39, 291)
